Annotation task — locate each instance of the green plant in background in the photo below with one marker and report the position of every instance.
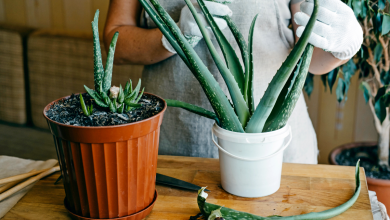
(371, 64)
(280, 97)
(115, 98)
(212, 211)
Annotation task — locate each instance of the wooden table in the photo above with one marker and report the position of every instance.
(304, 188)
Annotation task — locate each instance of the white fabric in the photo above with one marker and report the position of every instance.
(11, 166)
(377, 208)
(336, 29)
(189, 27)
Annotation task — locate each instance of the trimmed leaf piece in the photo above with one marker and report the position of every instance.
(96, 97)
(215, 214)
(109, 64)
(232, 61)
(207, 208)
(97, 54)
(267, 102)
(192, 108)
(83, 107)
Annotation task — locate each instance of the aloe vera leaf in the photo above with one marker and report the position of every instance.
(232, 61)
(192, 108)
(97, 54)
(138, 87)
(109, 64)
(207, 208)
(241, 43)
(290, 93)
(134, 105)
(113, 106)
(140, 95)
(249, 75)
(95, 96)
(213, 91)
(83, 107)
(120, 109)
(121, 95)
(263, 110)
(165, 30)
(127, 89)
(91, 109)
(131, 97)
(235, 93)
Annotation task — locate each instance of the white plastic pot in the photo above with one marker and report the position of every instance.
(251, 163)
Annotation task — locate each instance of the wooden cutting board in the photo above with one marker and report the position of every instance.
(304, 189)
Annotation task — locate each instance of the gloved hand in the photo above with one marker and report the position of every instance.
(189, 27)
(336, 29)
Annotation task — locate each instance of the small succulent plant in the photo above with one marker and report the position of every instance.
(116, 99)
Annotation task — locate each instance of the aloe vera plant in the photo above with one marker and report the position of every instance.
(212, 211)
(116, 99)
(280, 97)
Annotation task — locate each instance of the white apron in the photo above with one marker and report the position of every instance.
(187, 134)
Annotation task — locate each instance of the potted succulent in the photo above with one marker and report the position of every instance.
(237, 122)
(265, 126)
(372, 65)
(107, 144)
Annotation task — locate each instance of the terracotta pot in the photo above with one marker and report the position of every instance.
(108, 171)
(381, 187)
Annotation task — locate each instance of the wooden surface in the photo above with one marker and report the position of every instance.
(304, 189)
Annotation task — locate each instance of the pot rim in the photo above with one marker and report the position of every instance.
(251, 138)
(337, 150)
(101, 127)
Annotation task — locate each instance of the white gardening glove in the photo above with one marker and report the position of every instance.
(336, 29)
(189, 27)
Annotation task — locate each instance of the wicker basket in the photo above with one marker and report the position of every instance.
(12, 79)
(61, 63)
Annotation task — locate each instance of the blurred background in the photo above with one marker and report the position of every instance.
(46, 53)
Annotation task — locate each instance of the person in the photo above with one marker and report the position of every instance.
(337, 36)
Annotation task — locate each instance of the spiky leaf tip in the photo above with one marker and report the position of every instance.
(109, 64)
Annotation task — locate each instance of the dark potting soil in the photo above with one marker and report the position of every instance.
(69, 112)
(368, 159)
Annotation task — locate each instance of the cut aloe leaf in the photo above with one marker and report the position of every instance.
(208, 208)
